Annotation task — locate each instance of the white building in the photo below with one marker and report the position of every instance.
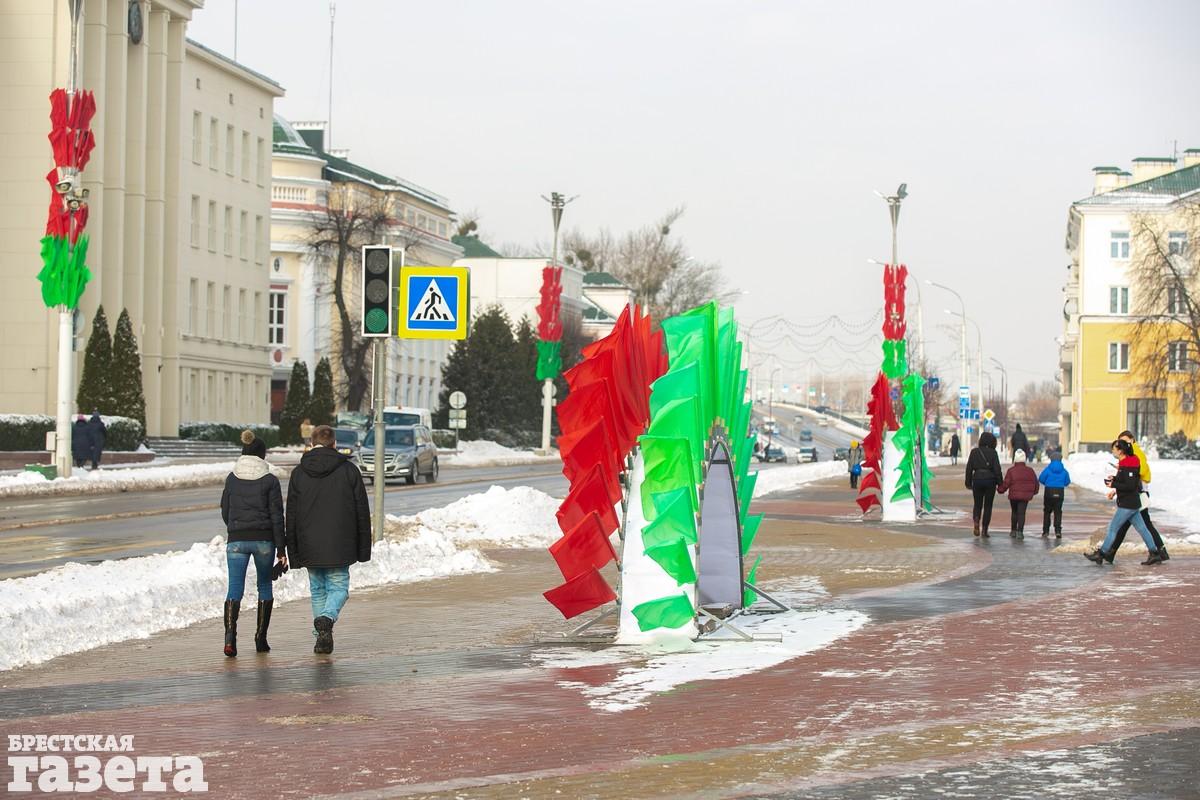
(178, 207)
(515, 284)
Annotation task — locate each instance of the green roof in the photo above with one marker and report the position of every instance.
(1155, 159)
(1169, 186)
(285, 139)
(473, 248)
(600, 279)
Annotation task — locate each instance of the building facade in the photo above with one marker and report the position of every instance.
(302, 321)
(1103, 389)
(515, 284)
(177, 184)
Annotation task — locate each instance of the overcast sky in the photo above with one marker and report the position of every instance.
(773, 122)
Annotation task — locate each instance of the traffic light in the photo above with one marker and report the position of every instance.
(377, 291)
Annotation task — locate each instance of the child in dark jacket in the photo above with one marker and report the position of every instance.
(1021, 484)
(1056, 479)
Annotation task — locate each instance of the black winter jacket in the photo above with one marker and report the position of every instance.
(328, 519)
(1127, 483)
(252, 503)
(81, 440)
(983, 468)
(1020, 441)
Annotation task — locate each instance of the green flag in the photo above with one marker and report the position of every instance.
(675, 558)
(676, 520)
(549, 361)
(895, 362)
(64, 273)
(748, 595)
(727, 365)
(745, 493)
(680, 419)
(750, 530)
(668, 463)
(678, 383)
(666, 612)
(743, 450)
(690, 340)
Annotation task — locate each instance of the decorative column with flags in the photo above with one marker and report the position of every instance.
(64, 273)
(549, 343)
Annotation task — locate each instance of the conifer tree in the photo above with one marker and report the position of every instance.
(321, 407)
(527, 389)
(129, 399)
(481, 366)
(295, 405)
(95, 387)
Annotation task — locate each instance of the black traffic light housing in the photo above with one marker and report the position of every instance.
(377, 291)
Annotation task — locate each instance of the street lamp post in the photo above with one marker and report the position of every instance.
(963, 355)
(771, 398)
(1003, 422)
(557, 203)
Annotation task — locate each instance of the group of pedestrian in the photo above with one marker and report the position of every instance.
(325, 527)
(985, 477)
(1128, 487)
(87, 440)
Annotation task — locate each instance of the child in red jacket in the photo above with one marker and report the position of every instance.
(1021, 484)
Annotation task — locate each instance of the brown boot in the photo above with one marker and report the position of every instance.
(976, 527)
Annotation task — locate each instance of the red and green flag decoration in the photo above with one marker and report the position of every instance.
(645, 412)
(64, 272)
(550, 328)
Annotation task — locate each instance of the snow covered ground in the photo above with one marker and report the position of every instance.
(179, 476)
(490, 454)
(1174, 498)
(77, 607)
(793, 476)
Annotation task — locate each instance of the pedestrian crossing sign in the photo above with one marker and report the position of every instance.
(435, 302)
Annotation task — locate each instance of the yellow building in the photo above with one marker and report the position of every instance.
(1103, 359)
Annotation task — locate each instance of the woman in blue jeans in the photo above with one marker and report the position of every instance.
(1126, 487)
(252, 507)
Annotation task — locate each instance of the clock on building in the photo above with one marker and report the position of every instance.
(135, 21)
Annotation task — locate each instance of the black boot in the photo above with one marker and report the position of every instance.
(1097, 556)
(1155, 558)
(264, 622)
(231, 615)
(324, 626)
(1162, 553)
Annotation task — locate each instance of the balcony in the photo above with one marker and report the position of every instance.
(1066, 354)
(1066, 403)
(283, 193)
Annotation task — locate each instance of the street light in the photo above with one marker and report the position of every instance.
(963, 355)
(557, 203)
(771, 399)
(979, 350)
(1003, 425)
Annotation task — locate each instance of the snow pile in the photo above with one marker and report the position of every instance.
(180, 476)
(489, 454)
(77, 607)
(782, 479)
(1173, 496)
(650, 669)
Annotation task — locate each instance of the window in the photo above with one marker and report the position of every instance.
(243, 235)
(229, 151)
(212, 226)
(193, 305)
(260, 162)
(1119, 245)
(441, 229)
(246, 155)
(197, 137)
(228, 230)
(195, 235)
(1177, 243)
(259, 244)
(1146, 417)
(241, 323)
(227, 313)
(275, 318)
(1177, 357)
(1118, 356)
(1118, 299)
(1176, 300)
(214, 145)
(257, 317)
(210, 310)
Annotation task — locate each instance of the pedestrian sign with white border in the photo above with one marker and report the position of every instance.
(434, 302)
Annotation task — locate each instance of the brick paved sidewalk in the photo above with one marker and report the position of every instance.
(990, 669)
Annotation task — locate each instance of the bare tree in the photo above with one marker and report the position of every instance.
(1038, 402)
(353, 217)
(1163, 270)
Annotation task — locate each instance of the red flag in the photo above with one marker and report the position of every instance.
(605, 366)
(581, 593)
(587, 495)
(593, 445)
(584, 547)
(867, 500)
(586, 403)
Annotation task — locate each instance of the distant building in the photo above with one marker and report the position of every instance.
(605, 297)
(1101, 391)
(303, 323)
(178, 208)
(515, 284)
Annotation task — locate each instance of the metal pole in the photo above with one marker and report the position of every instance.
(557, 204)
(329, 122)
(380, 354)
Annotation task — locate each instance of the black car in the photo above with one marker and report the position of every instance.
(841, 454)
(772, 452)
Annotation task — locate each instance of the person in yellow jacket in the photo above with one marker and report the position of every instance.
(1144, 474)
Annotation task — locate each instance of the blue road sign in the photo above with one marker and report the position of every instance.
(434, 303)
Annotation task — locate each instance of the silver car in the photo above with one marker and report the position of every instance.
(409, 451)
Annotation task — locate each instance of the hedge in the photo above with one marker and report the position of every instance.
(28, 432)
(224, 432)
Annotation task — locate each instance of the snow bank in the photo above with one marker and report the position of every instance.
(180, 476)
(489, 454)
(1173, 493)
(77, 607)
(782, 479)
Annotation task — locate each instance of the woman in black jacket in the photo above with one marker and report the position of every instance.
(252, 507)
(1126, 488)
(984, 474)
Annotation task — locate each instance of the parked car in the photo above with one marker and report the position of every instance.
(409, 451)
(772, 452)
(808, 454)
(823, 421)
(841, 454)
(346, 440)
(821, 409)
(805, 435)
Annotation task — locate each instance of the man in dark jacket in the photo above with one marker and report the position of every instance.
(97, 434)
(328, 528)
(81, 441)
(1020, 442)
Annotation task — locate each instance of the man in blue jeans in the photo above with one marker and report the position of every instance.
(328, 528)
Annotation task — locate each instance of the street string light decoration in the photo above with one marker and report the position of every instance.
(656, 445)
(550, 328)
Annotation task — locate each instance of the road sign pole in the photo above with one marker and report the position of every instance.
(547, 397)
(378, 378)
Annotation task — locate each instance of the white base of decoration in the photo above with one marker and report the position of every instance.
(898, 510)
(642, 579)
